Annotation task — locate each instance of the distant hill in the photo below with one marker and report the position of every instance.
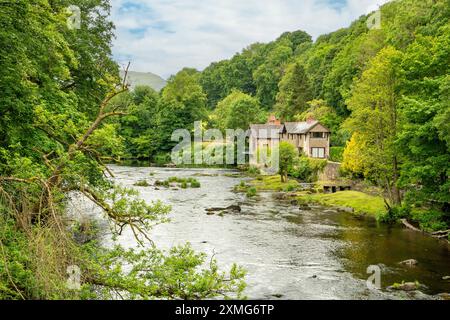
(145, 79)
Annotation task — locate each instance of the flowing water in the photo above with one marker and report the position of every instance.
(290, 253)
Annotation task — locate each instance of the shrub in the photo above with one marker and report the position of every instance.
(142, 183)
(251, 192)
(290, 188)
(184, 183)
(430, 220)
(162, 159)
(307, 169)
(195, 184)
(253, 170)
(337, 154)
(393, 215)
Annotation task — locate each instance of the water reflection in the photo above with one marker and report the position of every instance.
(289, 253)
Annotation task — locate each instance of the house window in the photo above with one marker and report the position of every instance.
(318, 135)
(318, 153)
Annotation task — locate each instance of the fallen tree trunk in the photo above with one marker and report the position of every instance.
(437, 234)
(410, 226)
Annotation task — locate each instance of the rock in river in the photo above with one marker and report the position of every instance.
(345, 209)
(409, 262)
(230, 209)
(305, 207)
(407, 286)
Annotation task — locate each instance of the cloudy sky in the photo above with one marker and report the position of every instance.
(163, 36)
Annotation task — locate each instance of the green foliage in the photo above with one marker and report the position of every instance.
(182, 103)
(251, 192)
(361, 202)
(58, 103)
(252, 170)
(237, 111)
(142, 183)
(431, 220)
(256, 71)
(179, 273)
(274, 183)
(374, 106)
(337, 154)
(424, 138)
(288, 155)
(183, 183)
(268, 75)
(138, 127)
(294, 92)
(393, 215)
(307, 169)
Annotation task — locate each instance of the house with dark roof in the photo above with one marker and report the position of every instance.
(309, 137)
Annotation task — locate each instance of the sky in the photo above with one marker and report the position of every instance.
(164, 36)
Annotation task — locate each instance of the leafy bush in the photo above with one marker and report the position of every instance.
(184, 183)
(252, 192)
(393, 215)
(430, 220)
(195, 184)
(253, 170)
(307, 169)
(142, 183)
(162, 159)
(337, 154)
(290, 188)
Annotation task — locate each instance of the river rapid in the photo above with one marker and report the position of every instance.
(288, 253)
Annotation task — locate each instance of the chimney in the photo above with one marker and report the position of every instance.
(310, 120)
(273, 120)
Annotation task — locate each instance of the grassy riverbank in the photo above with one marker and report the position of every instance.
(273, 183)
(361, 202)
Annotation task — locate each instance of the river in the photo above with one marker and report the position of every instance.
(289, 253)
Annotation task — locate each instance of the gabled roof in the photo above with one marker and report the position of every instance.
(301, 127)
(271, 131)
(266, 131)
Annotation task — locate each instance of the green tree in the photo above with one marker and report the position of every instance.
(374, 104)
(55, 125)
(267, 75)
(424, 139)
(138, 126)
(182, 103)
(288, 155)
(237, 111)
(295, 92)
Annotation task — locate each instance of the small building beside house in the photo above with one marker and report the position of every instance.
(309, 137)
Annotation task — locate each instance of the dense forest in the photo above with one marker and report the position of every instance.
(383, 92)
(56, 104)
(64, 112)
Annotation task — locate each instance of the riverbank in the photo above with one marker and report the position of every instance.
(319, 253)
(351, 201)
(358, 202)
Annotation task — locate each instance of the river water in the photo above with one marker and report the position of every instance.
(289, 253)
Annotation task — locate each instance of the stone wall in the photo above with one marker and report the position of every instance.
(331, 172)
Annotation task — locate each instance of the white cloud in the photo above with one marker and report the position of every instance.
(163, 36)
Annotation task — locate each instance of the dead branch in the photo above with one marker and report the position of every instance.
(102, 115)
(410, 226)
